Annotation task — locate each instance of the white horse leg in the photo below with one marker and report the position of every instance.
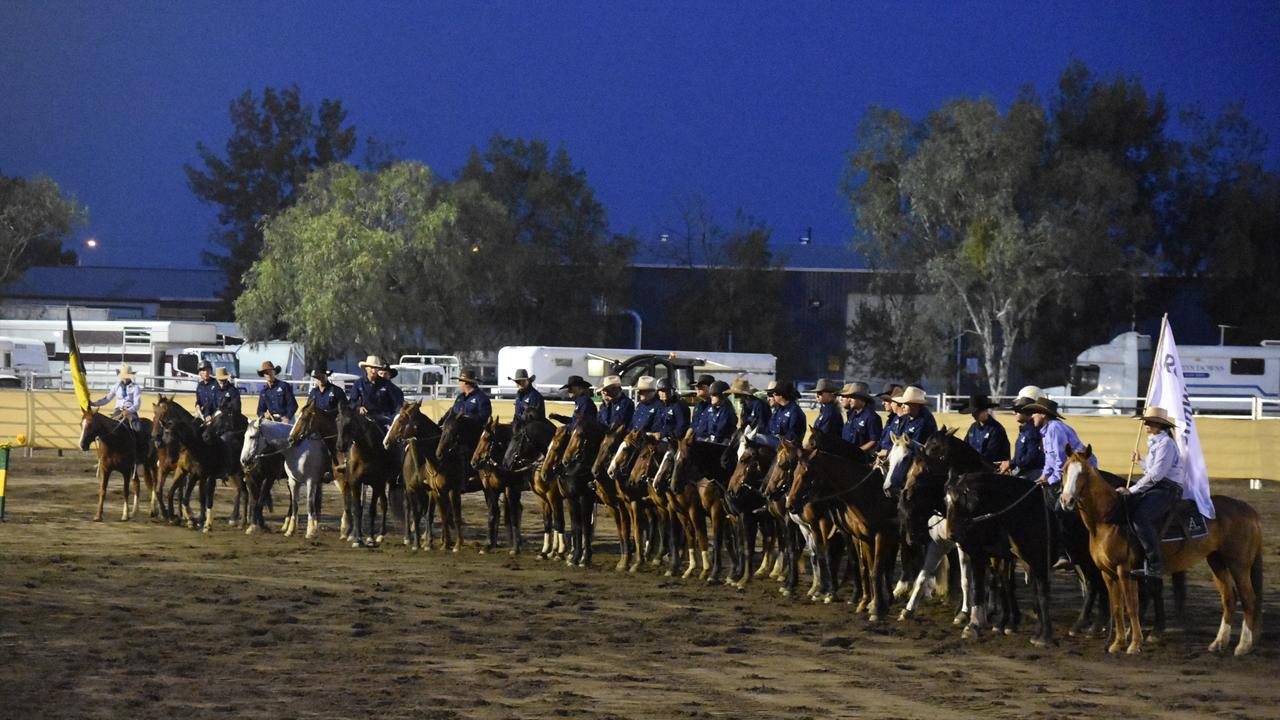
(1223, 639)
(966, 587)
(313, 519)
(1246, 638)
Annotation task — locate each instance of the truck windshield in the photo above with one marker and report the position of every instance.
(1084, 379)
(221, 359)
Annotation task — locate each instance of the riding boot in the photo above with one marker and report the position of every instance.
(1149, 511)
(1148, 538)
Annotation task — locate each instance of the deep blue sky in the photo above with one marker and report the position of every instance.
(754, 107)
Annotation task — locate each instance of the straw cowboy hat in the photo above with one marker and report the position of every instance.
(771, 388)
(978, 403)
(522, 374)
(373, 361)
(221, 374)
(645, 383)
(1153, 415)
(859, 390)
(574, 381)
(468, 377)
(125, 372)
(741, 387)
(268, 367)
(1030, 392)
(1044, 406)
(912, 396)
(825, 385)
(611, 382)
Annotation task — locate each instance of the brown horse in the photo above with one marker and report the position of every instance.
(1233, 549)
(640, 460)
(610, 494)
(201, 460)
(501, 487)
(370, 463)
(777, 486)
(546, 487)
(746, 491)
(420, 435)
(119, 451)
(699, 482)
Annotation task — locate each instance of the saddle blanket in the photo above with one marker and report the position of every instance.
(1196, 526)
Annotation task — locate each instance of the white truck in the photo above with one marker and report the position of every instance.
(19, 360)
(552, 366)
(426, 375)
(1106, 379)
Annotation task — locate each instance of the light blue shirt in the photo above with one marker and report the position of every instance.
(1055, 436)
(1163, 462)
(128, 397)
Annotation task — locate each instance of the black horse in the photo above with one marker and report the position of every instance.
(575, 476)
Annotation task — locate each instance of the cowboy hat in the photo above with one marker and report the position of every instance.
(125, 371)
(646, 383)
(221, 374)
(825, 385)
(771, 388)
(786, 390)
(268, 367)
(889, 391)
(205, 366)
(664, 385)
(719, 387)
(1043, 406)
(702, 380)
(320, 374)
(978, 403)
(1030, 392)
(390, 371)
(522, 374)
(373, 361)
(574, 381)
(741, 387)
(912, 395)
(859, 390)
(468, 377)
(1154, 415)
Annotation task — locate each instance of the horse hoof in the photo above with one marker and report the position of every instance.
(1038, 642)
(786, 592)
(960, 618)
(668, 573)
(633, 570)
(1008, 631)
(904, 616)
(1152, 637)
(482, 551)
(355, 544)
(1134, 650)
(513, 552)
(826, 599)
(1115, 648)
(1242, 650)
(970, 632)
(583, 563)
(873, 618)
(250, 530)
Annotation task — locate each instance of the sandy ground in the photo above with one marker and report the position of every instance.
(140, 619)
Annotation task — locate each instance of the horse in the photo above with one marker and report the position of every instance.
(626, 510)
(370, 463)
(846, 491)
(304, 463)
(501, 486)
(746, 492)
(652, 511)
(171, 459)
(921, 509)
(202, 460)
(1232, 548)
(777, 486)
(987, 513)
(644, 462)
(699, 466)
(119, 451)
(421, 435)
(575, 475)
(546, 487)
(255, 489)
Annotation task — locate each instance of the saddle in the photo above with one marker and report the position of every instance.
(1184, 522)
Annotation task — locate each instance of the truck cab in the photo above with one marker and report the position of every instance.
(678, 370)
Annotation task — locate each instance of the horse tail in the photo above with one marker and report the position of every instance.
(1255, 577)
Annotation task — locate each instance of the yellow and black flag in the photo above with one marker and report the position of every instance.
(76, 363)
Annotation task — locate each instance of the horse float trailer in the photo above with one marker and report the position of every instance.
(552, 366)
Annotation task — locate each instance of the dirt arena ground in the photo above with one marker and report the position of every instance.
(142, 620)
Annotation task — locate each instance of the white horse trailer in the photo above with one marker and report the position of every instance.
(20, 359)
(554, 365)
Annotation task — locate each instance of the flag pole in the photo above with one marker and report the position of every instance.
(1137, 442)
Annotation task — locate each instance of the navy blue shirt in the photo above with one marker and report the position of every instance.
(583, 407)
(755, 414)
(617, 413)
(891, 427)
(788, 423)
(919, 428)
(645, 416)
(380, 397)
(208, 397)
(229, 398)
(673, 420)
(327, 400)
(989, 439)
(861, 427)
(1028, 455)
(529, 402)
(699, 409)
(828, 418)
(717, 423)
(474, 404)
(278, 400)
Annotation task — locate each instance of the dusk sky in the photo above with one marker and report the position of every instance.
(752, 105)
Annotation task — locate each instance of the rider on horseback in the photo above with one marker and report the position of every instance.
(128, 397)
(275, 400)
(208, 395)
(673, 419)
(1028, 455)
(720, 420)
(862, 427)
(615, 408)
(645, 417)
(755, 412)
(583, 407)
(228, 393)
(829, 421)
(375, 395)
(471, 400)
(913, 420)
(787, 422)
(529, 402)
(327, 397)
(702, 390)
(1159, 488)
(986, 434)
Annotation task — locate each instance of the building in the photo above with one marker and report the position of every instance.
(123, 293)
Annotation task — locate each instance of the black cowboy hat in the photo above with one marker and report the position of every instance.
(702, 380)
(786, 390)
(467, 376)
(523, 374)
(719, 387)
(576, 381)
(321, 374)
(391, 372)
(1045, 406)
(978, 403)
(268, 366)
(890, 390)
(205, 366)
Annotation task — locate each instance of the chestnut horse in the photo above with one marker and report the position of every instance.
(420, 435)
(746, 492)
(119, 451)
(501, 486)
(369, 464)
(1233, 549)
(628, 511)
(534, 448)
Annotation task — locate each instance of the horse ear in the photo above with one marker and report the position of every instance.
(1088, 451)
(1068, 450)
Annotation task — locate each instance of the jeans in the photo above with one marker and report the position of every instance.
(1148, 512)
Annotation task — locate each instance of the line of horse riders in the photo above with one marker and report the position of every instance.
(849, 492)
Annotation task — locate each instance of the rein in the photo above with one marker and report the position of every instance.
(1012, 505)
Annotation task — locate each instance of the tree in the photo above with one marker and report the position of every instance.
(570, 271)
(35, 218)
(983, 209)
(363, 262)
(276, 142)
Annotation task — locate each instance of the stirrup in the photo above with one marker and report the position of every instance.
(1146, 571)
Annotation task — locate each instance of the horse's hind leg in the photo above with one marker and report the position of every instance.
(382, 528)
(492, 511)
(515, 513)
(1249, 587)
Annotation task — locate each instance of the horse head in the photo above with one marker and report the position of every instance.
(780, 471)
(1075, 474)
(805, 478)
(624, 457)
(528, 444)
(89, 427)
(252, 442)
(921, 498)
(482, 456)
(895, 473)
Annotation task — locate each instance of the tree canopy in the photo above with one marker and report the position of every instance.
(35, 218)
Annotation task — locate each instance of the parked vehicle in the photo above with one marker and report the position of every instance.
(554, 365)
(20, 358)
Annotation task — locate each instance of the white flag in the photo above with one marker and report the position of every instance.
(1168, 390)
